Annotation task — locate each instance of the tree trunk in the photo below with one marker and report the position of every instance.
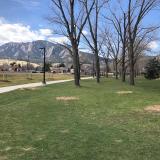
(135, 74)
(79, 68)
(115, 65)
(116, 69)
(132, 74)
(123, 68)
(76, 66)
(123, 74)
(107, 68)
(97, 67)
(124, 50)
(131, 65)
(93, 69)
(131, 43)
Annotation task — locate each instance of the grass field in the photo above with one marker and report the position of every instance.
(23, 78)
(100, 125)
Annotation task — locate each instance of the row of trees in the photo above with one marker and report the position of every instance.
(120, 35)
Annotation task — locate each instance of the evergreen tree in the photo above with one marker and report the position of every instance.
(47, 67)
(152, 69)
(62, 65)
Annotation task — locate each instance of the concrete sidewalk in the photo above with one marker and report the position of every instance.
(33, 85)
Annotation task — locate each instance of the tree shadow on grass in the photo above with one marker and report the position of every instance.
(6, 81)
(149, 85)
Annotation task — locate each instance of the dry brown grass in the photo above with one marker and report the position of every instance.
(154, 108)
(28, 149)
(64, 98)
(124, 92)
(30, 88)
(65, 131)
(8, 61)
(3, 157)
(34, 88)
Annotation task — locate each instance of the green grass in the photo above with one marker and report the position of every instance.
(102, 125)
(23, 78)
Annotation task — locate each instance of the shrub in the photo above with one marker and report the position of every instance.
(152, 69)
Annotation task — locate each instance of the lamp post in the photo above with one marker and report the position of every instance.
(44, 65)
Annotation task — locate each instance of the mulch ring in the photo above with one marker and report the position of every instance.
(124, 92)
(154, 108)
(66, 98)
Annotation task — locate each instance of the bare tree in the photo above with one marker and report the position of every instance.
(114, 49)
(93, 39)
(105, 53)
(70, 18)
(137, 10)
(133, 35)
(119, 23)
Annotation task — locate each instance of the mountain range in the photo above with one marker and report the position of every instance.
(55, 53)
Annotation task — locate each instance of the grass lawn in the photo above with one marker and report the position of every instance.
(23, 78)
(101, 125)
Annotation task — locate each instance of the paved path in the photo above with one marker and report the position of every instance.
(33, 85)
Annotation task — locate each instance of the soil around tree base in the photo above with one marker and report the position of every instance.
(154, 108)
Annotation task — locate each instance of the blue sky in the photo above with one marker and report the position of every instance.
(24, 20)
(28, 12)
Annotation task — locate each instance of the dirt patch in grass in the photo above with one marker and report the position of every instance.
(5, 81)
(124, 92)
(65, 131)
(8, 149)
(34, 88)
(64, 98)
(118, 141)
(27, 89)
(40, 137)
(3, 157)
(28, 149)
(154, 108)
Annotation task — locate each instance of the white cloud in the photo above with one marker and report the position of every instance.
(61, 39)
(28, 3)
(17, 33)
(46, 32)
(84, 32)
(154, 45)
(23, 33)
(2, 20)
(85, 50)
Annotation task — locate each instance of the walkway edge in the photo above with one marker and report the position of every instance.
(33, 85)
